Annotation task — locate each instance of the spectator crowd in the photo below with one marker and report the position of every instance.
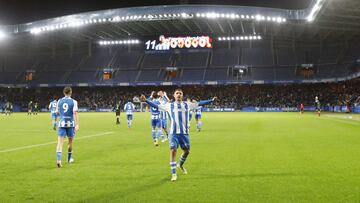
(232, 96)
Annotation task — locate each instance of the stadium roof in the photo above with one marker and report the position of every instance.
(323, 20)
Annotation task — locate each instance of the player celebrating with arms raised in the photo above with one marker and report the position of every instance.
(156, 131)
(67, 108)
(198, 113)
(163, 115)
(179, 129)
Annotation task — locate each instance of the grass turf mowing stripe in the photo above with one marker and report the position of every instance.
(49, 143)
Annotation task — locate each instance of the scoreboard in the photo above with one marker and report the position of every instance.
(168, 43)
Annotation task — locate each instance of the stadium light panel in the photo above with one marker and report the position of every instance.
(2, 35)
(314, 10)
(242, 16)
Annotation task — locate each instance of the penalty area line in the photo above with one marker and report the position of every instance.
(50, 143)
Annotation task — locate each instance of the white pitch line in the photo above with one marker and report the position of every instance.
(55, 142)
(341, 120)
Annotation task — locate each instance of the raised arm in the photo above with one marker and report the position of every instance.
(201, 103)
(161, 107)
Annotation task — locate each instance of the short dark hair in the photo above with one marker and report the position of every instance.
(178, 89)
(67, 90)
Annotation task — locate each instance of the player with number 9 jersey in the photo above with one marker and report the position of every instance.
(67, 109)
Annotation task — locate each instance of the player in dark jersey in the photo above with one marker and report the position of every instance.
(30, 107)
(8, 107)
(317, 106)
(36, 108)
(117, 110)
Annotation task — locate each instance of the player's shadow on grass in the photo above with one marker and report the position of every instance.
(123, 194)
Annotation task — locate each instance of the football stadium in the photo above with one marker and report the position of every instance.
(181, 101)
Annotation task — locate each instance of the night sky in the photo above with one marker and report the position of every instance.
(23, 11)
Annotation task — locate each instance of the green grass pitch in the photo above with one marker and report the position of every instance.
(238, 157)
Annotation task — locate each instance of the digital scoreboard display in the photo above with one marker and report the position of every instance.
(168, 43)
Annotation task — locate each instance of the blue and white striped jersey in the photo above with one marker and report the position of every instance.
(179, 115)
(163, 114)
(198, 111)
(129, 108)
(66, 107)
(52, 106)
(155, 113)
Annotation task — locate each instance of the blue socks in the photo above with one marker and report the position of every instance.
(182, 160)
(154, 135)
(198, 126)
(58, 156)
(173, 167)
(69, 156)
